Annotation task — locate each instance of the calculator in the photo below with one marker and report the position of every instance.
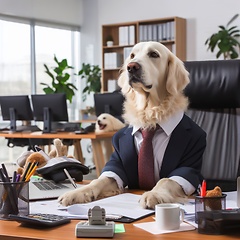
(40, 220)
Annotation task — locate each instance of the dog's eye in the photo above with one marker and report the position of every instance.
(104, 118)
(132, 55)
(153, 54)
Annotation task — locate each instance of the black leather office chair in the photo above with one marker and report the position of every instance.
(214, 94)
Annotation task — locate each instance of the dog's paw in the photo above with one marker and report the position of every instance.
(76, 196)
(149, 200)
(165, 191)
(152, 198)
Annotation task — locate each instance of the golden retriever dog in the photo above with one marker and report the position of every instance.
(106, 123)
(152, 81)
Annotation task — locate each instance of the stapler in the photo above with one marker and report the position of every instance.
(96, 226)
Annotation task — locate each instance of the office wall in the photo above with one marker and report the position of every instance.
(203, 18)
(59, 11)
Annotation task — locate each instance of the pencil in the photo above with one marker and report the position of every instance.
(31, 173)
(25, 172)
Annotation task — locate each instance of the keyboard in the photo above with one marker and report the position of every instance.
(49, 185)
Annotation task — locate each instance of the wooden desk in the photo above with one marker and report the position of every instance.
(10, 230)
(100, 155)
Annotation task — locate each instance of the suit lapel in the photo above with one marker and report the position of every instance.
(178, 142)
(129, 156)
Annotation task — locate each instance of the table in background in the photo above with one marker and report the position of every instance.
(101, 143)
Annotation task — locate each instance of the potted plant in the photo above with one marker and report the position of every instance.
(92, 75)
(226, 39)
(60, 79)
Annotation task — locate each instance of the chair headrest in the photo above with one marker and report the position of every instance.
(213, 84)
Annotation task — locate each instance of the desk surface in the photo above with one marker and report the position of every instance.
(11, 230)
(62, 135)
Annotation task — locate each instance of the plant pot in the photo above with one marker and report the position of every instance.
(109, 43)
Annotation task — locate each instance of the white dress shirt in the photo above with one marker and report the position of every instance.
(160, 142)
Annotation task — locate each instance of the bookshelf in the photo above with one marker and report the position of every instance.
(169, 31)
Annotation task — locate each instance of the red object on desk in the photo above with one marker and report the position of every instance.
(203, 188)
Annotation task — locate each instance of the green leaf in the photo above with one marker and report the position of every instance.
(232, 19)
(92, 75)
(226, 39)
(60, 79)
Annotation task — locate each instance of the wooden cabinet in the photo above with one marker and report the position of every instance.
(169, 31)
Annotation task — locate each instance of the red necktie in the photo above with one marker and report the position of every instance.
(146, 161)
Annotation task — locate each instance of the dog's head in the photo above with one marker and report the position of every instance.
(107, 123)
(152, 80)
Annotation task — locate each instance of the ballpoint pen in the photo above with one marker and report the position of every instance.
(70, 178)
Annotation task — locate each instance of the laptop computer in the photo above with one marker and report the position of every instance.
(47, 189)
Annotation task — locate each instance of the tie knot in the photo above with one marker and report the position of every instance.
(149, 133)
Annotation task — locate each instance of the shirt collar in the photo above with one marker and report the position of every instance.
(167, 126)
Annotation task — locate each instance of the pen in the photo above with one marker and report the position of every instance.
(203, 188)
(18, 177)
(14, 176)
(4, 170)
(2, 175)
(70, 178)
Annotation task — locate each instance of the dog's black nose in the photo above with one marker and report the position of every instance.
(133, 67)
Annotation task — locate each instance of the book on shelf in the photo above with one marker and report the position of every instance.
(157, 32)
(123, 35)
(126, 52)
(112, 60)
(112, 85)
(131, 37)
(126, 35)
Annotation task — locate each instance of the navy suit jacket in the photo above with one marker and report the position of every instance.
(183, 155)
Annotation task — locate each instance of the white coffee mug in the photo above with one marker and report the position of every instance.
(168, 216)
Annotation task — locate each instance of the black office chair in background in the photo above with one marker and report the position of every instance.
(214, 95)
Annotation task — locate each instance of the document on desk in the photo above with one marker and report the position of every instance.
(123, 207)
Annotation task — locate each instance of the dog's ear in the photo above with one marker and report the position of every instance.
(177, 77)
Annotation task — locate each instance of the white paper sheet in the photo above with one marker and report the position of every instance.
(151, 227)
(126, 204)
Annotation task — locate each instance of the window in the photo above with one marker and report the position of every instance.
(24, 47)
(15, 73)
(63, 44)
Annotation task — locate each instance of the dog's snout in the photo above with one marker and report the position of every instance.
(133, 67)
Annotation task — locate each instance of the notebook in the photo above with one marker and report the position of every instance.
(46, 189)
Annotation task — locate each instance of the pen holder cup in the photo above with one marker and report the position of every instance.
(209, 204)
(14, 198)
